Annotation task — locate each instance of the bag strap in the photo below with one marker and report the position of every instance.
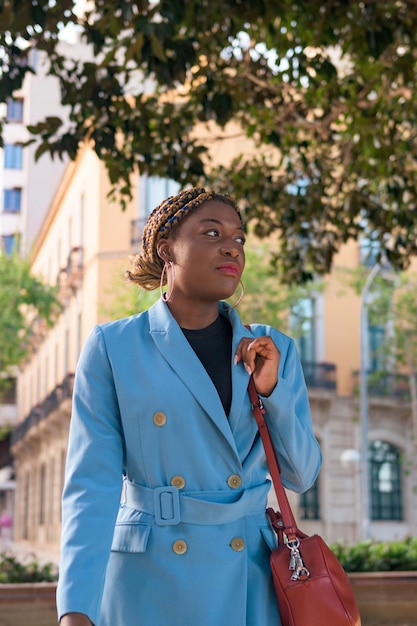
(288, 522)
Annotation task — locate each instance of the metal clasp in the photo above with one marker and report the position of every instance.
(300, 572)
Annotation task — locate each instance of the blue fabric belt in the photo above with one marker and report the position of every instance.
(171, 506)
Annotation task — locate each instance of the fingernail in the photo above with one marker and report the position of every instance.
(235, 360)
(248, 369)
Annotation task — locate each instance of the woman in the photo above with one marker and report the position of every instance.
(161, 399)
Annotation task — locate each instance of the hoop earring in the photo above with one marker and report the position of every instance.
(166, 296)
(242, 293)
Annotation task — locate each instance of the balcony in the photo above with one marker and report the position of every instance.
(75, 267)
(8, 391)
(320, 375)
(41, 411)
(385, 384)
(70, 277)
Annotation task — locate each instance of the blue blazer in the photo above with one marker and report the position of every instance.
(190, 542)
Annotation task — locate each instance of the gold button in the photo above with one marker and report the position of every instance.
(179, 547)
(159, 418)
(237, 544)
(178, 482)
(234, 481)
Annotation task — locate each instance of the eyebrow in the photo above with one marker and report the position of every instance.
(215, 221)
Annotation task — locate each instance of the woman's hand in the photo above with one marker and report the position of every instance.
(260, 357)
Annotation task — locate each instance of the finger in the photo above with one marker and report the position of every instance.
(264, 349)
(241, 349)
(262, 342)
(241, 355)
(249, 361)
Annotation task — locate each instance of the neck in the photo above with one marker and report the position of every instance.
(194, 315)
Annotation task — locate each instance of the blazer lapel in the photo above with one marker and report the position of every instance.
(175, 349)
(240, 377)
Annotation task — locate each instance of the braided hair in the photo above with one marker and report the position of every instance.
(147, 266)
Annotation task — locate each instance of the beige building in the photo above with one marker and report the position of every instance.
(27, 187)
(82, 241)
(83, 245)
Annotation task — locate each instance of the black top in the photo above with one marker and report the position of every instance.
(213, 346)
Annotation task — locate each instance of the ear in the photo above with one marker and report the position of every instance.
(163, 250)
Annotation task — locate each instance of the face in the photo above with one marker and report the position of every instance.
(207, 249)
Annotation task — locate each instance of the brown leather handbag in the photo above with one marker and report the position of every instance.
(311, 586)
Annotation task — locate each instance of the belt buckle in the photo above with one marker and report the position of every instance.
(166, 506)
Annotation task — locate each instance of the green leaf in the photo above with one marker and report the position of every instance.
(158, 49)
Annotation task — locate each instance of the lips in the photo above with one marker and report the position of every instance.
(229, 268)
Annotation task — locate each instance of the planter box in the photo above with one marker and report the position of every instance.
(28, 604)
(386, 598)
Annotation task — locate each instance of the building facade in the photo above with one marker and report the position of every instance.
(26, 190)
(27, 186)
(83, 246)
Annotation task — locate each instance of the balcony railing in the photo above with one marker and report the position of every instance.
(41, 411)
(320, 375)
(70, 277)
(385, 384)
(8, 392)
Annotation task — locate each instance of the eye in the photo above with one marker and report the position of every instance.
(241, 239)
(212, 232)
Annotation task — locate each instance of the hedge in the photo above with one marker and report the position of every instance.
(378, 556)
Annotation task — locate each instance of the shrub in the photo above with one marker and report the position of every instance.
(32, 571)
(378, 556)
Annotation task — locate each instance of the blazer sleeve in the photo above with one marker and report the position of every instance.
(92, 490)
(289, 420)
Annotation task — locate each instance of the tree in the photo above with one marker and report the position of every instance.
(393, 306)
(25, 302)
(325, 89)
(406, 327)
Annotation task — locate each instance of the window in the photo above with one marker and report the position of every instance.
(26, 503)
(369, 246)
(12, 200)
(302, 328)
(153, 190)
(385, 481)
(66, 351)
(14, 110)
(8, 244)
(51, 491)
(157, 189)
(369, 250)
(377, 347)
(13, 156)
(79, 335)
(42, 494)
(62, 476)
(310, 503)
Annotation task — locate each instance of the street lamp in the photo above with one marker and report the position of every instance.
(366, 528)
(350, 459)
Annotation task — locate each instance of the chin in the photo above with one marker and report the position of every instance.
(227, 296)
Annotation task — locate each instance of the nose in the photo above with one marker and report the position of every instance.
(231, 249)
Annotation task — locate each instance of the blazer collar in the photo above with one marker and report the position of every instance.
(174, 347)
